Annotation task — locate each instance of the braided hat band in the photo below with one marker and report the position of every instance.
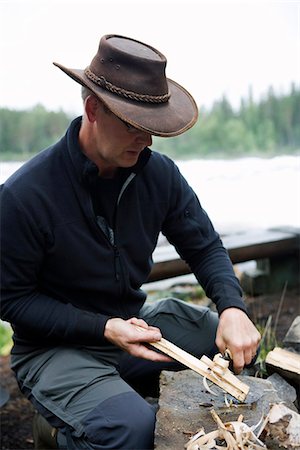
(102, 82)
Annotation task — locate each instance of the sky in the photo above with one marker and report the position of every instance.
(213, 48)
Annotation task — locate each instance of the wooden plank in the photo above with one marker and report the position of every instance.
(242, 247)
(265, 244)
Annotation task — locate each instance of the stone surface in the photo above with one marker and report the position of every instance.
(184, 407)
(292, 338)
(284, 390)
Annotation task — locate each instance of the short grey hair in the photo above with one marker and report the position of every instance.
(85, 92)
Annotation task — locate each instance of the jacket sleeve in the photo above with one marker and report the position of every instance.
(190, 230)
(23, 245)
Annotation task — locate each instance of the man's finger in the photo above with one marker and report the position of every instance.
(248, 356)
(139, 322)
(238, 361)
(148, 335)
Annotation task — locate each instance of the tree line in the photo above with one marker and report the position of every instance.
(265, 127)
(24, 133)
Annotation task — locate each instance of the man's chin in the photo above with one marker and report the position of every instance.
(130, 158)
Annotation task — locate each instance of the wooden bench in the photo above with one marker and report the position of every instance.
(246, 246)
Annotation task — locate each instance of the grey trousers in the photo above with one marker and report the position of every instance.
(95, 394)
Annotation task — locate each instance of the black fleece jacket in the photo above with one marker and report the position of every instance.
(65, 271)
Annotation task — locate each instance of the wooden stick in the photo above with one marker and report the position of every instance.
(205, 367)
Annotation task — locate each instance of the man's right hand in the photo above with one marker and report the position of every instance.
(131, 335)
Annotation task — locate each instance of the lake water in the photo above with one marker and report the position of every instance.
(238, 194)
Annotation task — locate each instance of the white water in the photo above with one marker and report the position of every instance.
(247, 193)
(238, 194)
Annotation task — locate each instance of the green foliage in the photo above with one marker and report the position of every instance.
(268, 127)
(190, 293)
(268, 343)
(24, 133)
(5, 338)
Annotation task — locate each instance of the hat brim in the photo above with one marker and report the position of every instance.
(165, 119)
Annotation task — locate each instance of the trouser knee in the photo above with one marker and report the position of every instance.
(125, 421)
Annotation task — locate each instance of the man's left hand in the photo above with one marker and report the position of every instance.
(237, 333)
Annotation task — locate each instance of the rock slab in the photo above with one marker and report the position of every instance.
(184, 406)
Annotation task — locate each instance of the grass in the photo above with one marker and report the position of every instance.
(268, 343)
(268, 336)
(6, 342)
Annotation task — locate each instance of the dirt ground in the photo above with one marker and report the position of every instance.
(16, 415)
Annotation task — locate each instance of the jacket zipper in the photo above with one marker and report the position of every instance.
(117, 263)
(109, 233)
(118, 266)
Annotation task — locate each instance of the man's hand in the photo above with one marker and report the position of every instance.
(131, 335)
(237, 333)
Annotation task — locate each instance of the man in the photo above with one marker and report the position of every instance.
(80, 224)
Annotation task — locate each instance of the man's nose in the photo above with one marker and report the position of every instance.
(144, 138)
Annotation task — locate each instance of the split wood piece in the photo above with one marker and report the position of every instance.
(216, 371)
(285, 362)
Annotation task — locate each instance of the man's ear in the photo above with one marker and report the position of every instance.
(91, 106)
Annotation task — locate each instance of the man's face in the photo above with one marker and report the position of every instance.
(116, 144)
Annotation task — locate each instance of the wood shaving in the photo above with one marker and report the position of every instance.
(281, 424)
(208, 389)
(235, 435)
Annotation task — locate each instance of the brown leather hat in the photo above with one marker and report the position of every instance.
(129, 77)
